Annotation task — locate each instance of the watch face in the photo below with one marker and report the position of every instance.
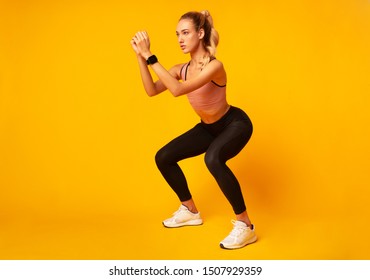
(152, 59)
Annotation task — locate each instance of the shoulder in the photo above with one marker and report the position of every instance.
(216, 67)
(217, 71)
(215, 61)
(176, 69)
(215, 64)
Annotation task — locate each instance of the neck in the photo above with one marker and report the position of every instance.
(197, 57)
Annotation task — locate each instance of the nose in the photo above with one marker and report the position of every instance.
(179, 39)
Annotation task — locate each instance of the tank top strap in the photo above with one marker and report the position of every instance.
(184, 70)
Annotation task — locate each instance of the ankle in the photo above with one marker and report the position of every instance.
(243, 217)
(192, 209)
(247, 223)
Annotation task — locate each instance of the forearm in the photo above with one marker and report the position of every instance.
(170, 82)
(146, 77)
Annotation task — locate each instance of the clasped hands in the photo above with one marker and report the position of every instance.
(141, 44)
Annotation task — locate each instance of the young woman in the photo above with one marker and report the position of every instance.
(223, 129)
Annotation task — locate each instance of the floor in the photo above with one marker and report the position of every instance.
(129, 235)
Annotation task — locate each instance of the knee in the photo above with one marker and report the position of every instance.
(162, 158)
(213, 162)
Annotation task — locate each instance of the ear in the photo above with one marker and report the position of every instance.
(201, 33)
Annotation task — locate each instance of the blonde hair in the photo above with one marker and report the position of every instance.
(204, 20)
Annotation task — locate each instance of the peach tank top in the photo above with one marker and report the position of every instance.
(206, 98)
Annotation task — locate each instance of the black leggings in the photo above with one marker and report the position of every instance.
(220, 141)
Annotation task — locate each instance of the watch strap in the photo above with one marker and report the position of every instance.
(152, 59)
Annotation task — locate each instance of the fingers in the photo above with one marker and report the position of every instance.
(141, 35)
(140, 42)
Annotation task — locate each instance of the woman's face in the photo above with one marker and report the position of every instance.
(187, 36)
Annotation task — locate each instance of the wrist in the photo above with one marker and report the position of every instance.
(146, 55)
(151, 60)
(140, 57)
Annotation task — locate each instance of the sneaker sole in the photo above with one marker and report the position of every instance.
(197, 222)
(254, 239)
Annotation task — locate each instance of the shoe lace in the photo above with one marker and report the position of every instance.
(237, 230)
(180, 210)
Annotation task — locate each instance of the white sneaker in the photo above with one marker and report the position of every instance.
(183, 217)
(240, 236)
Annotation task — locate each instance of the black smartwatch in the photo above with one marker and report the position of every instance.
(151, 60)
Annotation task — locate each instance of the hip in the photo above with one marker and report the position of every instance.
(233, 115)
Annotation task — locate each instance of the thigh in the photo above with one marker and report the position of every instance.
(231, 140)
(192, 143)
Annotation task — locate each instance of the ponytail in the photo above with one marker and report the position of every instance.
(212, 40)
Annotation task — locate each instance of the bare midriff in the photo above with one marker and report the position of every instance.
(211, 116)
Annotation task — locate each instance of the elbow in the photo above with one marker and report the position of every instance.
(177, 91)
(151, 93)
(175, 94)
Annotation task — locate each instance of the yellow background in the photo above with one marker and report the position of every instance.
(78, 134)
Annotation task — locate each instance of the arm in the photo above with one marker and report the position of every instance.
(180, 88)
(168, 79)
(152, 88)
